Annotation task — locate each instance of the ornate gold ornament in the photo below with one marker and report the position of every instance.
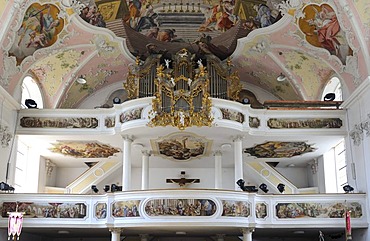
(182, 87)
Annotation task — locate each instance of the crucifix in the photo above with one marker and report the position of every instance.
(182, 181)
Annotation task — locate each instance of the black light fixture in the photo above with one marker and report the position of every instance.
(264, 188)
(94, 188)
(347, 188)
(329, 97)
(30, 103)
(6, 187)
(116, 100)
(106, 188)
(115, 188)
(241, 183)
(281, 187)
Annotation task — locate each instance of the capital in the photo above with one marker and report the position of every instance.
(247, 230)
(237, 138)
(128, 138)
(217, 153)
(115, 230)
(146, 152)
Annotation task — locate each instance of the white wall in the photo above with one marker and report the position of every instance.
(358, 153)
(66, 175)
(158, 176)
(296, 175)
(8, 118)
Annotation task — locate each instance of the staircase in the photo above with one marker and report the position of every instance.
(92, 176)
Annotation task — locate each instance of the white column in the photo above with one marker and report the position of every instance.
(145, 170)
(126, 172)
(218, 169)
(247, 234)
(238, 160)
(116, 234)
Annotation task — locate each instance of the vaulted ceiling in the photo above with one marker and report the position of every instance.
(307, 41)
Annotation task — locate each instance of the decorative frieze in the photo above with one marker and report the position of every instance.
(125, 209)
(356, 133)
(56, 122)
(232, 115)
(254, 122)
(110, 121)
(236, 208)
(101, 210)
(130, 115)
(306, 123)
(318, 210)
(261, 210)
(180, 207)
(45, 210)
(5, 135)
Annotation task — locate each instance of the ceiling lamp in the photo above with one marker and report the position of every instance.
(15, 222)
(281, 77)
(81, 80)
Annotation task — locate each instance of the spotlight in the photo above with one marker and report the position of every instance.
(81, 80)
(281, 187)
(241, 182)
(6, 187)
(116, 100)
(347, 188)
(115, 188)
(329, 97)
(281, 77)
(30, 103)
(94, 188)
(264, 188)
(106, 188)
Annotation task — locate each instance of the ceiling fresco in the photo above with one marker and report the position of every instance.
(39, 29)
(83, 149)
(58, 41)
(322, 29)
(181, 146)
(278, 149)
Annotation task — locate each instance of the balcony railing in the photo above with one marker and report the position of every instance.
(190, 207)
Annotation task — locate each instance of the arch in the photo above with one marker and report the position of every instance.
(31, 90)
(333, 86)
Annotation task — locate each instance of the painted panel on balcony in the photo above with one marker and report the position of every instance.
(125, 209)
(278, 149)
(83, 149)
(130, 115)
(110, 121)
(261, 210)
(45, 210)
(182, 146)
(318, 210)
(236, 208)
(290, 123)
(54, 122)
(180, 207)
(254, 122)
(232, 115)
(101, 210)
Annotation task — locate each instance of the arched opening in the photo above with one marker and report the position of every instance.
(333, 86)
(30, 90)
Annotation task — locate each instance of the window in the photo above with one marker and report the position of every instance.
(335, 168)
(30, 90)
(333, 86)
(20, 167)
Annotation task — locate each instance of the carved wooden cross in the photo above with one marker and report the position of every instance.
(182, 181)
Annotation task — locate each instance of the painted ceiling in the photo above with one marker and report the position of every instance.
(307, 41)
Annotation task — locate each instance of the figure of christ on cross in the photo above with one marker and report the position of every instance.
(183, 182)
